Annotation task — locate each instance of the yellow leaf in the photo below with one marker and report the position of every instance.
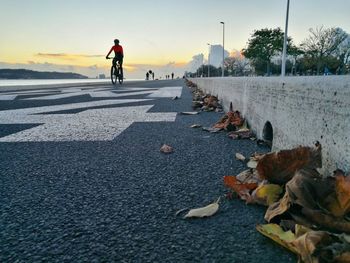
(276, 233)
(267, 194)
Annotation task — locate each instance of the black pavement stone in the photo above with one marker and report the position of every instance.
(116, 201)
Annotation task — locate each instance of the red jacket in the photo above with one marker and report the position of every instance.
(118, 50)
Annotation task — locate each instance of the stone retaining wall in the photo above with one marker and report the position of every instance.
(300, 110)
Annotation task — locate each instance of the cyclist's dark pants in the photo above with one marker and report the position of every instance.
(120, 63)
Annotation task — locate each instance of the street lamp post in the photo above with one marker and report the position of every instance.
(223, 46)
(284, 53)
(209, 60)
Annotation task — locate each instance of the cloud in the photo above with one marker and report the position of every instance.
(94, 67)
(195, 63)
(65, 56)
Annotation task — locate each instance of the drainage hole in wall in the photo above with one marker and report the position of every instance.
(268, 132)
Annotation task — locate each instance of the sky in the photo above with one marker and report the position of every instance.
(158, 35)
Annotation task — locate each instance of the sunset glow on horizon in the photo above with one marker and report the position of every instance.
(163, 35)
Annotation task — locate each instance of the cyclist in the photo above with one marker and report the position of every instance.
(118, 55)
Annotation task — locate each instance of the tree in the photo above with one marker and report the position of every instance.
(321, 45)
(237, 66)
(263, 45)
(343, 52)
(229, 64)
(203, 71)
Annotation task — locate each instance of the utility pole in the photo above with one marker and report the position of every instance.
(284, 52)
(209, 60)
(223, 46)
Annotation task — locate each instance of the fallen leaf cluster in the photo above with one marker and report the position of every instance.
(234, 123)
(202, 101)
(307, 213)
(205, 102)
(190, 84)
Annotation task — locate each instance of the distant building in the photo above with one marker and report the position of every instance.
(101, 76)
(216, 55)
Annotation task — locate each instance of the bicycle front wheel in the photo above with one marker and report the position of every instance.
(113, 75)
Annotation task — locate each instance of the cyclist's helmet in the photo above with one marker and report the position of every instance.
(116, 41)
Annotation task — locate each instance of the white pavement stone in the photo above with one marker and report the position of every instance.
(89, 125)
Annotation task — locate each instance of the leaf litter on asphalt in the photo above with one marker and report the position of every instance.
(307, 212)
(288, 183)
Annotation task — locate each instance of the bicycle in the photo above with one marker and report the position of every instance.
(116, 74)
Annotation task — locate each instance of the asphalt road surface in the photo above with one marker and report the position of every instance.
(82, 179)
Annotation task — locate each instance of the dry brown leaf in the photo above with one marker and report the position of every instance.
(242, 189)
(311, 195)
(305, 189)
(249, 176)
(230, 121)
(306, 245)
(337, 201)
(211, 101)
(325, 220)
(343, 258)
(279, 167)
(342, 190)
(166, 149)
(278, 208)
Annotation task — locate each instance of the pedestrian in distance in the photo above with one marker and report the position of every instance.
(147, 76)
(172, 75)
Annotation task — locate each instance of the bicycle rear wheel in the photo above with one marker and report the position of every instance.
(113, 75)
(120, 76)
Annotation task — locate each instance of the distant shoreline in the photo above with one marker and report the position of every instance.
(30, 82)
(38, 82)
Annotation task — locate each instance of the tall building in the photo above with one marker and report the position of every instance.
(216, 55)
